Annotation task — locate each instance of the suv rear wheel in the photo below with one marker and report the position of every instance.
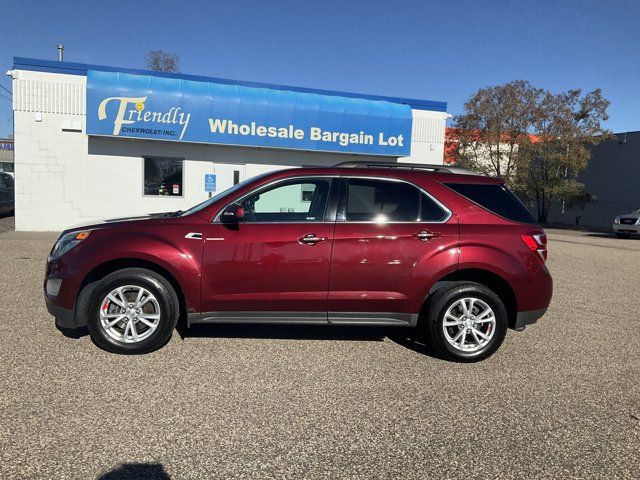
(132, 311)
(466, 321)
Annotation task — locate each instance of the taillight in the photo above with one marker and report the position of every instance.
(537, 242)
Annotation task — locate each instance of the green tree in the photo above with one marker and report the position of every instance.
(567, 127)
(495, 122)
(535, 140)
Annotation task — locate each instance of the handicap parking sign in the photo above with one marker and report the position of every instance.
(209, 182)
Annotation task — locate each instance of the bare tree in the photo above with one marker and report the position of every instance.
(161, 61)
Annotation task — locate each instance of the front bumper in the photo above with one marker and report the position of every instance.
(527, 318)
(621, 228)
(64, 316)
(61, 287)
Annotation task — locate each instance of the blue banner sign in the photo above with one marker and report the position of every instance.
(176, 109)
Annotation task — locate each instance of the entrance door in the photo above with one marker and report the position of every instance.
(274, 265)
(390, 238)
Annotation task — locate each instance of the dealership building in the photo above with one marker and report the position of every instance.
(96, 142)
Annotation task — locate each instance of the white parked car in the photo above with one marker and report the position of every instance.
(627, 224)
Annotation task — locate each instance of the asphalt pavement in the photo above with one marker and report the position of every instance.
(559, 400)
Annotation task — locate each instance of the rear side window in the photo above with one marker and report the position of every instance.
(495, 198)
(388, 201)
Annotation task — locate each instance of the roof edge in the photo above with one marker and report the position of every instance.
(73, 68)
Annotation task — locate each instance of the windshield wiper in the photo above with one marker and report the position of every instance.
(173, 214)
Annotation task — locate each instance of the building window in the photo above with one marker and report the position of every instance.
(163, 177)
(236, 177)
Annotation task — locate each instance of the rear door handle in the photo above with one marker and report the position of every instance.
(426, 235)
(311, 239)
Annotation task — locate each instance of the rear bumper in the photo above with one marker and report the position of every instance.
(527, 318)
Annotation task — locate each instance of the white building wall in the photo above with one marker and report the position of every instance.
(427, 137)
(64, 177)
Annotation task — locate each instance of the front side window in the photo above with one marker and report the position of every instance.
(302, 200)
(388, 201)
(163, 177)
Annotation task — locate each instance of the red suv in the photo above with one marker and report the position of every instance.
(454, 254)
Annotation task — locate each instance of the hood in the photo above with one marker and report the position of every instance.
(108, 221)
(629, 215)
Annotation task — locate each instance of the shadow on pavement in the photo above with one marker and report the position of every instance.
(404, 337)
(74, 333)
(284, 332)
(601, 235)
(137, 471)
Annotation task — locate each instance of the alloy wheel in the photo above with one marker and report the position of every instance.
(469, 324)
(130, 314)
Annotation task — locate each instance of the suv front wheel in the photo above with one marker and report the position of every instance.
(132, 311)
(465, 321)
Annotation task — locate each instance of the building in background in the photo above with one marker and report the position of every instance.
(96, 142)
(6, 155)
(613, 176)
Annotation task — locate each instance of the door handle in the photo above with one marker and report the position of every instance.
(311, 239)
(426, 235)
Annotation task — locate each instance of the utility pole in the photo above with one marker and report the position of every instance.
(60, 50)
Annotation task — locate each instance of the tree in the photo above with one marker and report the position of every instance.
(496, 120)
(535, 140)
(161, 61)
(567, 127)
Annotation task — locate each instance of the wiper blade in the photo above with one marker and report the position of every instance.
(173, 214)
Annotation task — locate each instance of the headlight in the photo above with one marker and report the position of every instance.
(67, 242)
(617, 220)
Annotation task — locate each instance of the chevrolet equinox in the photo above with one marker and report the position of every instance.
(452, 254)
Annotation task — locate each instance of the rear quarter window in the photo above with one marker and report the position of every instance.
(495, 198)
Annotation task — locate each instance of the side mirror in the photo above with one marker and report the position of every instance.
(233, 213)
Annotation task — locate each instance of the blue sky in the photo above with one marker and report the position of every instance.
(442, 50)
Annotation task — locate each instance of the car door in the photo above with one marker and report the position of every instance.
(390, 239)
(274, 265)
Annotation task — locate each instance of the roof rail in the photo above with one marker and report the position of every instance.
(411, 166)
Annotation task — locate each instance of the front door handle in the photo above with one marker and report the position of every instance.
(311, 239)
(426, 235)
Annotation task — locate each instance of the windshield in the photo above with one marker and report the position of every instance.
(224, 193)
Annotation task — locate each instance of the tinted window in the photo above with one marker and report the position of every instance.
(430, 211)
(163, 176)
(382, 201)
(293, 201)
(495, 198)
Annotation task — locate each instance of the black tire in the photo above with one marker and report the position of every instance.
(149, 280)
(437, 306)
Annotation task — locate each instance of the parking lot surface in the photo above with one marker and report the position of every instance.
(561, 399)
